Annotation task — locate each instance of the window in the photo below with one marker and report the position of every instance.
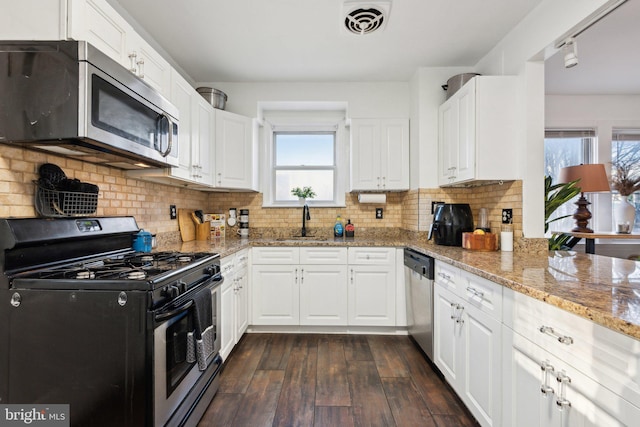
(625, 150)
(304, 148)
(304, 159)
(564, 148)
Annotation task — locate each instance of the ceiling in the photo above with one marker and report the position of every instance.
(305, 40)
(608, 58)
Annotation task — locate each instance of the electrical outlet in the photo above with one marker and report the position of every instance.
(433, 206)
(379, 214)
(173, 212)
(507, 216)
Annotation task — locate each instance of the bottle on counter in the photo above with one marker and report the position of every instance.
(338, 229)
(349, 229)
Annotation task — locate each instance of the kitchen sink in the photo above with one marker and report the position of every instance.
(303, 238)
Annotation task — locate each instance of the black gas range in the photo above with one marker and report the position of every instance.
(122, 337)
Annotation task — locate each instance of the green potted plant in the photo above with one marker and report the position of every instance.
(557, 195)
(303, 193)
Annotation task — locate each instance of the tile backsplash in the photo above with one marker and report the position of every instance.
(149, 202)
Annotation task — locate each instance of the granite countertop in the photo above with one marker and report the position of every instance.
(602, 289)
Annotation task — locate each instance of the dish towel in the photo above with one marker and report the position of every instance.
(200, 342)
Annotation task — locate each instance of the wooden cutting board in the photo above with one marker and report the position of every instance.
(187, 227)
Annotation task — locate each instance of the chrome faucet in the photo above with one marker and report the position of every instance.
(305, 217)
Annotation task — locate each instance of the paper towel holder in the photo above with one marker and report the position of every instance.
(379, 198)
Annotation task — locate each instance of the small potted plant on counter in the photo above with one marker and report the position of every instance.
(303, 194)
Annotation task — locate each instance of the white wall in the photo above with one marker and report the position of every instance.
(364, 100)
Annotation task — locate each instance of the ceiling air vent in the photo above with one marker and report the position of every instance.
(365, 17)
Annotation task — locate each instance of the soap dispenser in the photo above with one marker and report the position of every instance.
(338, 229)
(349, 229)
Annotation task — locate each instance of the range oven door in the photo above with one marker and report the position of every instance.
(174, 375)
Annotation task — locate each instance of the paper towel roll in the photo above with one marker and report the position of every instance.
(372, 198)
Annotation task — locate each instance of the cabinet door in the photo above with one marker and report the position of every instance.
(587, 403)
(323, 294)
(227, 322)
(202, 150)
(447, 142)
(242, 303)
(99, 24)
(234, 153)
(394, 151)
(466, 160)
(182, 97)
(446, 334)
(372, 295)
(481, 355)
(34, 20)
(148, 64)
(275, 295)
(365, 155)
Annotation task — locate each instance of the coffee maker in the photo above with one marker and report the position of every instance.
(450, 220)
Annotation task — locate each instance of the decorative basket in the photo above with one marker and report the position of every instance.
(54, 203)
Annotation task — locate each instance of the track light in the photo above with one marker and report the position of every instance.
(570, 53)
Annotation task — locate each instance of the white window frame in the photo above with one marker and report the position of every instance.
(305, 121)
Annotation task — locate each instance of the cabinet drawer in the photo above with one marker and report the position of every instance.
(227, 265)
(482, 293)
(609, 357)
(242, 258)
(372, 256)
(447, 275)
(323, 255)
(276, 255)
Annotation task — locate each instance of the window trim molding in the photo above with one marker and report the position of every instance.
(303, 123)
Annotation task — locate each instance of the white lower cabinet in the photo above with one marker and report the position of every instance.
(543, 391)
(323, 295)
(275, 294)
(234, 301)
(319, 286)
(467, 346)
(372, 286)
(564, 370)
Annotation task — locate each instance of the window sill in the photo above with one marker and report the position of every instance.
(297, 205)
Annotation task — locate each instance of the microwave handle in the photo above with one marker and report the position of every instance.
(170, 136)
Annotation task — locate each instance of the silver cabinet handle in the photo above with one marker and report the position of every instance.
(546, 369)
(475, 292)
(561, 400)
(302, 276)
(296, 276)
(378, 182)
(352, 276)
(444, 275)
(456, 312)
(132, 57)
(140, 68)
(564, 339)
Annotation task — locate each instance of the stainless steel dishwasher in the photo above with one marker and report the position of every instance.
(418, 273)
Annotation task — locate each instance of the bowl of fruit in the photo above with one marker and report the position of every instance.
(480, 240)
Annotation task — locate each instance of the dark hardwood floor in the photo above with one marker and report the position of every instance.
(332, 380)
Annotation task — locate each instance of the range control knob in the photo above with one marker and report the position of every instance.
(211, 270)
(171, 291)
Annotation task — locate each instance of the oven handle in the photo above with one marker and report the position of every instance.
(168, 315)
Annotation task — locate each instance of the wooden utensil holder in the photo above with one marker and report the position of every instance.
(203, 231)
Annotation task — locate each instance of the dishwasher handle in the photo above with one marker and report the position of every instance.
(420, 263)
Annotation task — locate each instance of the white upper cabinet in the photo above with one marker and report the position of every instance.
(234, 151)
(99, 24)
(477, 127)
(379, 154)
